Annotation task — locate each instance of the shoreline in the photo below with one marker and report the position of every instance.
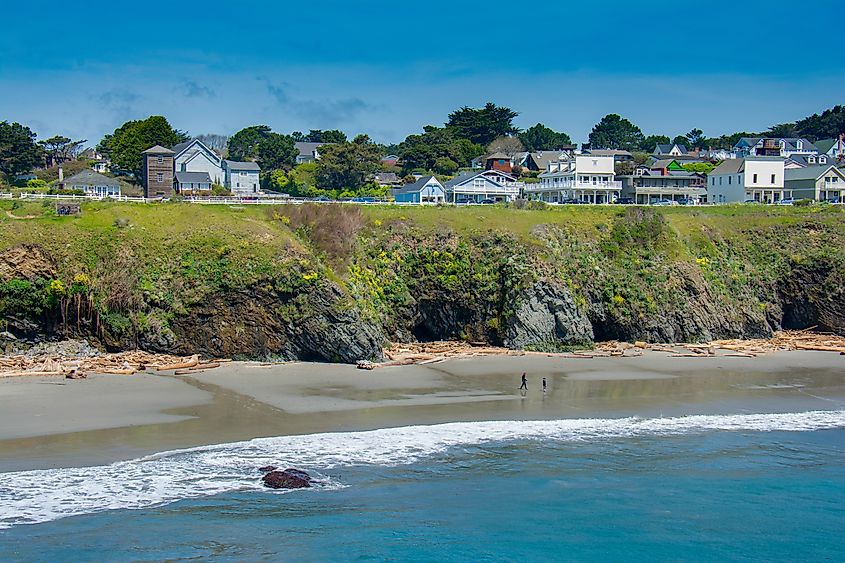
(47, 422)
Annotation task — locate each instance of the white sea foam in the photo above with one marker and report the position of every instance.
(44, 495)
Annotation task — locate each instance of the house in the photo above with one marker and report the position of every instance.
(389, 179)
(308, 152)
(425, 190)
(390, 160)
(195, 156)
(93, 183)
(540, 160)
(783, 147)
(664, 180)
(157, 172)
(819, 183)
(193, 183)
(670, 150)
(499, 161)
(587, 178)
(715, 155)
(478, 162)
(804, 160)
(242, 178)
(99, 163)
(758, 179)
(834, 148)
(475, 187)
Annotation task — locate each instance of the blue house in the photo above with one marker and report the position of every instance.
(425, 190)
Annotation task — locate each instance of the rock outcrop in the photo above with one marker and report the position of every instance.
(546, 316)
(287, 479)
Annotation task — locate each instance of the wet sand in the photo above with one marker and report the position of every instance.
(50, 422)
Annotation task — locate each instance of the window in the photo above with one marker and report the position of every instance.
(160, 159)
(159, 177)
(755, 178)
(730, 180)
(243, 173)
(773, 178)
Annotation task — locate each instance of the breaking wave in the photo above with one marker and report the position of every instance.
(28, 497)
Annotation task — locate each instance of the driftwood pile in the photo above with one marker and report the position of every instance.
(434, 352)
(123, 363)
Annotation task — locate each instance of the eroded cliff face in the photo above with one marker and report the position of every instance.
(629, 282)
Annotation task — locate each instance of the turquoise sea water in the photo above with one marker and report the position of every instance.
(706, 488)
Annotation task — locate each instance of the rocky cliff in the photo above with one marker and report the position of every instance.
(302, 285)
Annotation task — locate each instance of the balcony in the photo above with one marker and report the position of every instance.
(556, 185)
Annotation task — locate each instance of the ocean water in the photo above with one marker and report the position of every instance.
(767, 487)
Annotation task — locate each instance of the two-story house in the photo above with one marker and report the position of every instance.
(587, 178)
(195, 156)
(308, 152)
(242, 178)
(782, 147)
(664, 180)
(758, 179)
(673, 150)
(819, 183)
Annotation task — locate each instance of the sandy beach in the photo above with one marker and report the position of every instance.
(50, 422)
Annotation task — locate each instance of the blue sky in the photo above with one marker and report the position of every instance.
(387, 69)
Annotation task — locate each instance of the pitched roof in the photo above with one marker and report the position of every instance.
(825, 144)
(730, 166)
(498, 156)
(193, 177)
(307, 149)
(608, 152)
(91, 178)
(809, 172)
(158, 149)
(416, 186)
(235, 165)
(182, 146)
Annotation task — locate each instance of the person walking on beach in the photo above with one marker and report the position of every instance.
(544, 385)
(524, 382)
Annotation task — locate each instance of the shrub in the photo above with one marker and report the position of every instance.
(331, 229)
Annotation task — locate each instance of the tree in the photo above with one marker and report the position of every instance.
(276, 152)
(348, 165)
(680, 140)
(18, 151)
(482, 126)
(700, 167)
(445, 166)
(125, 145)
(650, 143)
(541, 138)
(214, 141)
(509, 146)
(420, 152)
(615, 132)
(696, 139)
(244, 144)
(59, 149)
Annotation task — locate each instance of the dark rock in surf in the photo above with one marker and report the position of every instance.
(287, 479)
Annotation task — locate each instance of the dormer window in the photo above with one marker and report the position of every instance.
(811, 159)
(799, 145)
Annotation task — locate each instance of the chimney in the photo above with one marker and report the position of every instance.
(61, 178)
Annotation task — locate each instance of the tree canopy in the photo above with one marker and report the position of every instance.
(482, 126)
(244, 144)
(827, 125)
(349, 165)
(125, 145)
(59, 149)
(541, 138)
(616, 132)
(19, 152)
(422, 152)
(276, 152)
(650, 143)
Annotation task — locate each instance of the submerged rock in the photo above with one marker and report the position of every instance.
(267, 468)
(287, 479)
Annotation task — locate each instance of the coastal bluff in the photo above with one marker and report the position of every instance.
(335, 283)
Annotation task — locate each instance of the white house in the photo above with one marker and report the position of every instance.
(758, 179)
(241, 177)
(194, 156)
(308, 152)
(93, 183)
(670, 150)
(475, 187)
(587, 178)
